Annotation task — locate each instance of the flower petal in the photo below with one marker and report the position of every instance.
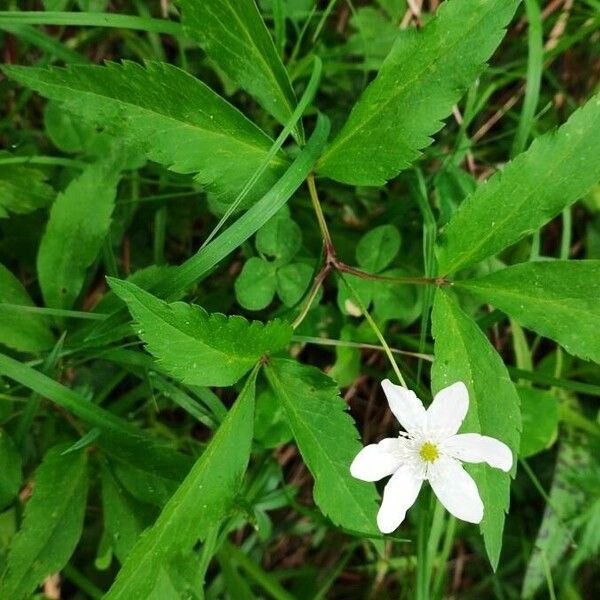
(475, 448)
(456, 490)
(448, 409)
(399, 495)
(405, 405)
(377, 460)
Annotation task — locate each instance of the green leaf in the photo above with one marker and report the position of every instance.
(293, 281)
(11, 475)
(23, 189)
(52, 523)
(20, 329)
(255, 285)
(119, 437)
(191, 131)
(557, 299)
(557, 169)
(566, 501)
(235, 37)
(79, 221)
(463, 353)
(280, 238)
(421, 79)
(197, 348)
(378, 248)
(539, 411)
(327, 440)
(204, 498)
(397, 302)
(124, 517)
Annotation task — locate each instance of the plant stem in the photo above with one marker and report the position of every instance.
(422, 577)
(321, 276)
(314, 198)
(375, 329)
(374, 277)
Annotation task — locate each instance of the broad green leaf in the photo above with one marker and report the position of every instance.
(79, 221)
(378, 248)
(420, 81)
(67, 132)
(20, 329)
(566, 501)
(391, 301)
(270, 425)
(10, 470)
(463, 353)
(557, 299)
(23, 189)
(204, 498)
(52, 523)
(195, 347)
(557, 169)
(124, 517)
(255, 285)
(235, 37)
(293, 281)
(280, 238)
(191, 131)
(327, 440)
(539, 412)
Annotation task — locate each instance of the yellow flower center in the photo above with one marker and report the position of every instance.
(429, 452)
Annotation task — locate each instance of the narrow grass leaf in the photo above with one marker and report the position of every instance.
(328, 442)
(463, 353)
(118, 436)
(565, 502)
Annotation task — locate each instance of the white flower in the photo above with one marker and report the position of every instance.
(430, 449)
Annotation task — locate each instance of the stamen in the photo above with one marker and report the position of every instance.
(429, 452)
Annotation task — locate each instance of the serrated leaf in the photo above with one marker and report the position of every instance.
(234, 35)
(549, 297)
(196, 347)
(11, 475)
(463, 353)
(378, 248)
(23, 189)
(539, 412)
(79, 221)
(328, 442)
(420, 81)
(255, 285)
(191, 131)
(19, 329)
(52, 523)
(557, 169)
(203, 499)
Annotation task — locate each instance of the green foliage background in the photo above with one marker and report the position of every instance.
(219, 219)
